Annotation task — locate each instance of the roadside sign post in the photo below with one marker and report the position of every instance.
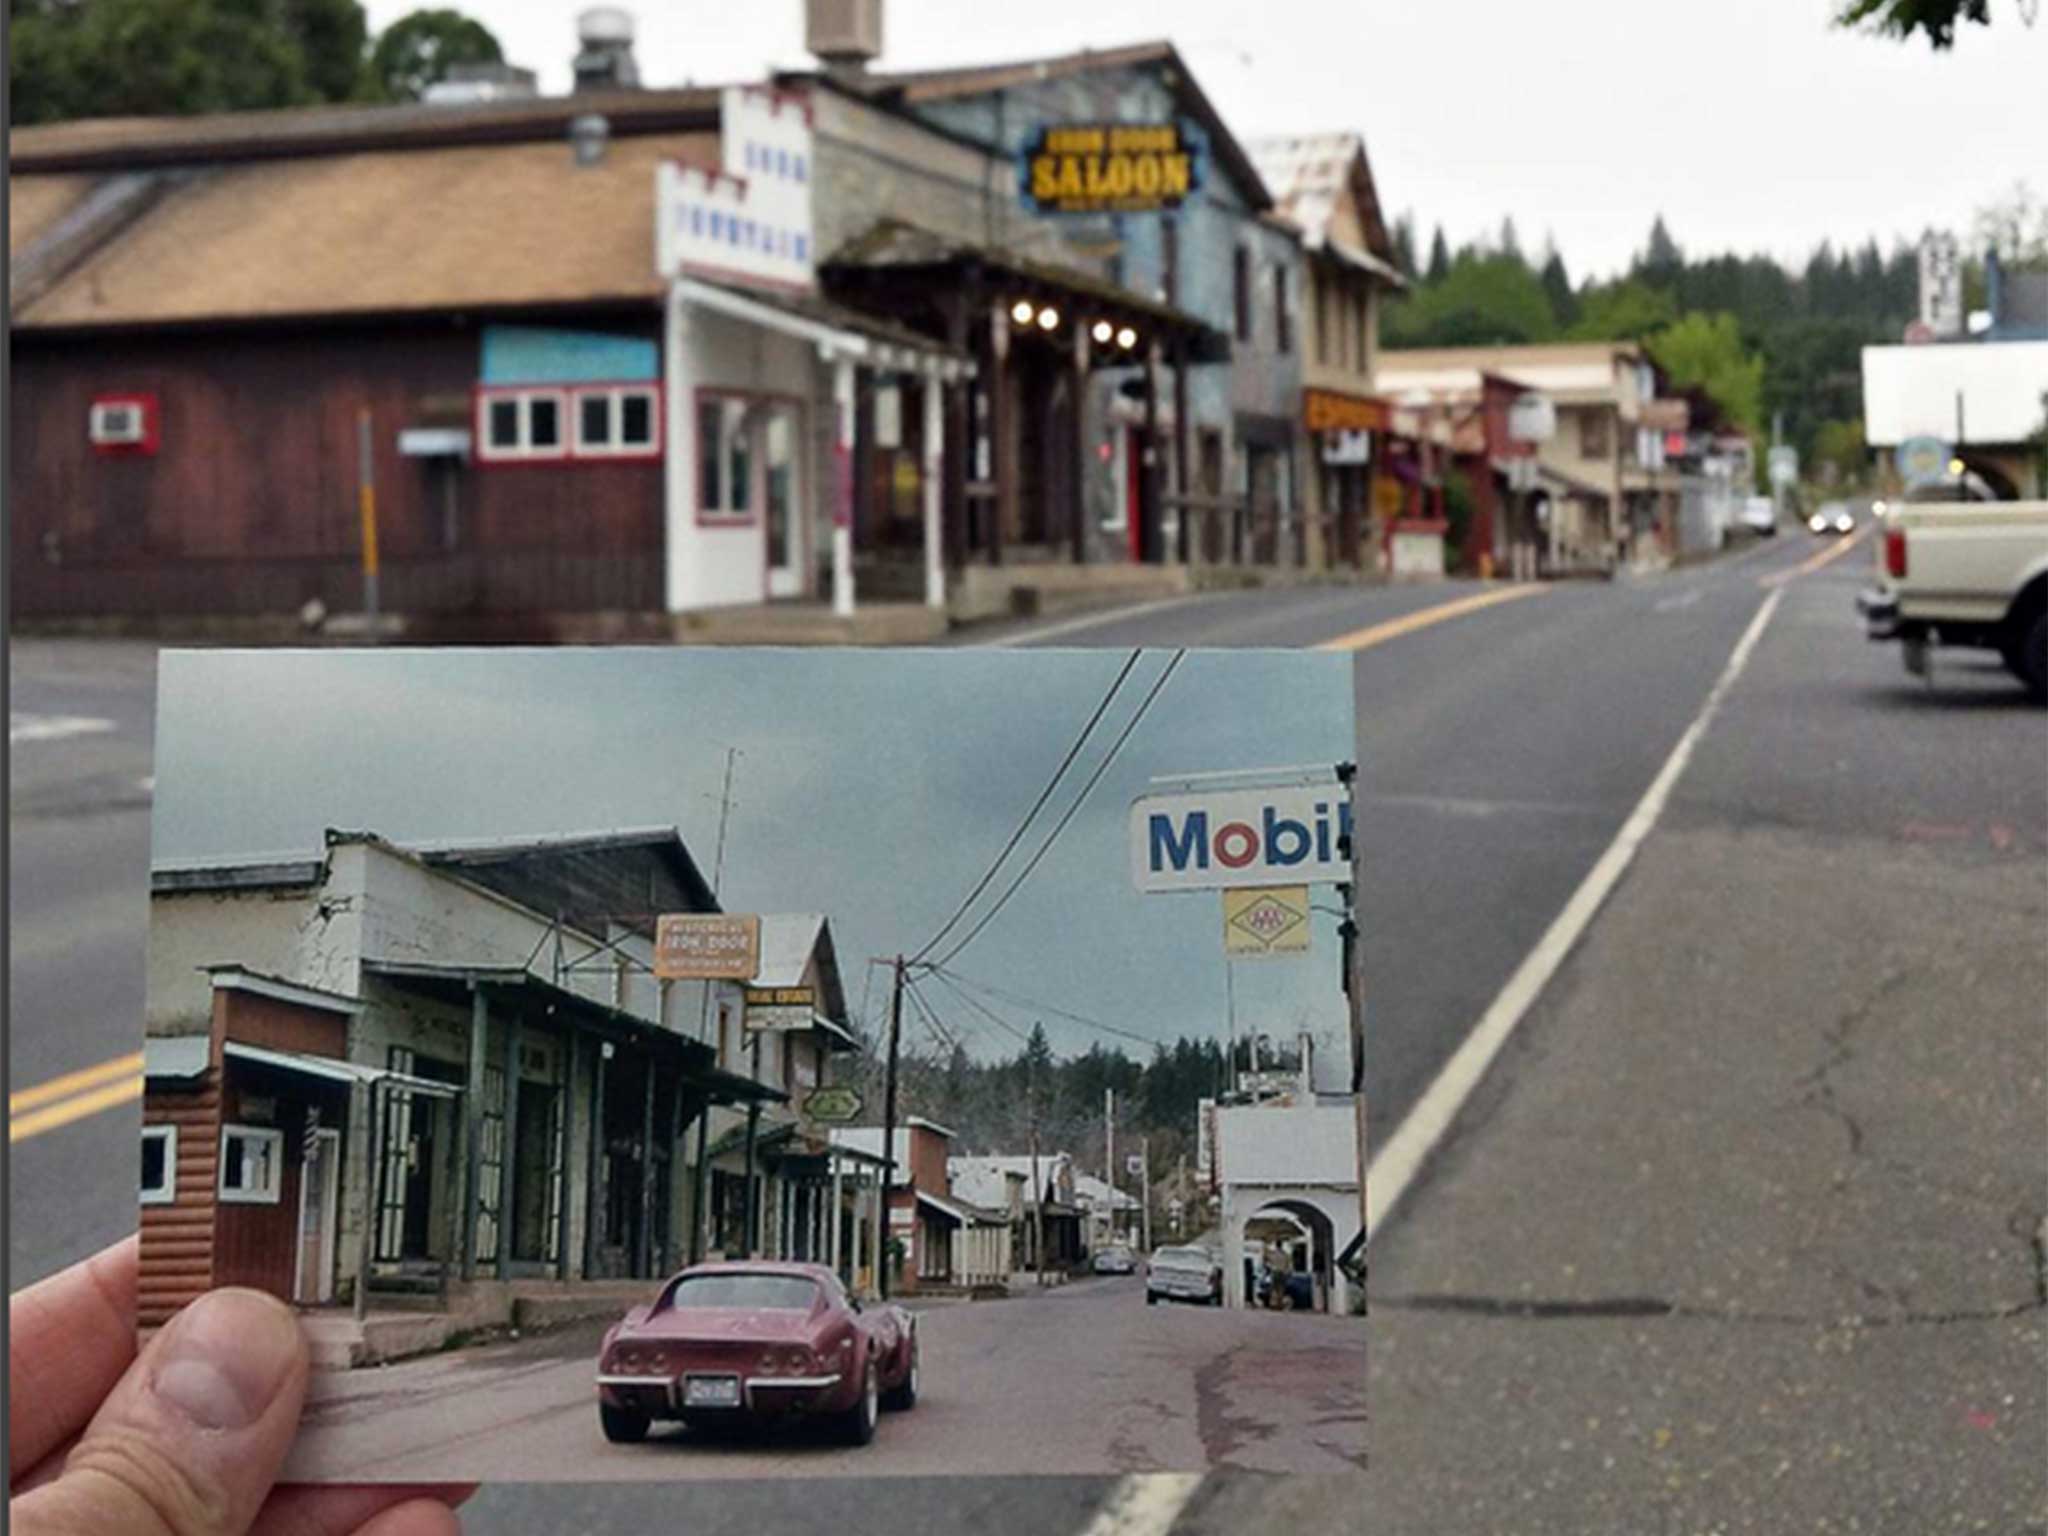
(1293, 830)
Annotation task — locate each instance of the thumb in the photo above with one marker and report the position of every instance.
(191, 1439)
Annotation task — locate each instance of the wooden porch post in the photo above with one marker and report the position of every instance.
(1151, 535)
(473, 1128)
(643, 1249)
(700, 1179)
(1183, 456)
(1077, 505)
(508, 1164)
(934, 523)
(593, 1176)
(373, 1159)
(1004, 434)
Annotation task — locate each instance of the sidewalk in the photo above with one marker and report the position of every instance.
(1743, 1232)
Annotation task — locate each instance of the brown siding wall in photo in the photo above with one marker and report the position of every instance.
(280, 1026)
(256, 1244)
(250, 504)
(177, 1255)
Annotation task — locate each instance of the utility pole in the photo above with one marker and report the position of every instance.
(1145, 1200)
(1230, 1005)
(1180, 1193)
(1354, 985)
(1037, 1179)
(889, 1132)
(1109, 1152)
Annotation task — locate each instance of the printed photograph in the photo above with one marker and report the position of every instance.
(642, 1064)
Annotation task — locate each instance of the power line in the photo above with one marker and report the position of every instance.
(959, 984)
(930, 1016)
(1052, 837)
(1038, 805)
(994, 1018)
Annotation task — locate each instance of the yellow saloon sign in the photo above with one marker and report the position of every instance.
(1265, 921)
(1110, 168)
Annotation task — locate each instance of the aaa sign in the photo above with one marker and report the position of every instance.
(1257, 923)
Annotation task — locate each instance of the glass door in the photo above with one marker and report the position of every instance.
(778, 428)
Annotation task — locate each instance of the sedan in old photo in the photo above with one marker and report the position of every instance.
(732, 1343)
(1184, 1274)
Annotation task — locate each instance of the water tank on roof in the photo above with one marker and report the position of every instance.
(845, 34)
(604, 61)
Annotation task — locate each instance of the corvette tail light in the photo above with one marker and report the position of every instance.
(1895, 553)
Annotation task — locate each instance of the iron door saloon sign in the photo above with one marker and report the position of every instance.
(1110, 168)
(1241, 837)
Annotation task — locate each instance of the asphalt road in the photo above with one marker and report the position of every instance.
(1085, 1377)
(1502, 750)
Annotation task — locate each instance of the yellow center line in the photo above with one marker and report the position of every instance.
(1814, 562)
(73, 1082)
(63, 1112)
(1379, 634)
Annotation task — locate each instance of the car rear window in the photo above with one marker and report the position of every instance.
(1181, 1258)
(773, 1293)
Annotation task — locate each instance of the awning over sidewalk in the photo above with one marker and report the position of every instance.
(452, 983)
(820, 322)
(353, 1073)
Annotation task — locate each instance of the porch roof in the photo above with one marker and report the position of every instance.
(867, 338)
(896, 254)
(337, 1071)
(454, 982)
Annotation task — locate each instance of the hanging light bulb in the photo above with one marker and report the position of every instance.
(1127, 338)
(1103, 331)
(1048, 318)
(1021, 312)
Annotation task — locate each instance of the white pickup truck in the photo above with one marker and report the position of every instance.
(1963, 573)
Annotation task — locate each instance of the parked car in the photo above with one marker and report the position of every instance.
(1116, 1260)
(1184, 1274)
(1832, 517)
(1968, 574)
(751, 1342)
(1760, 515)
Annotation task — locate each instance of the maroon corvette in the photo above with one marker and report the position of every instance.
(734, 1342)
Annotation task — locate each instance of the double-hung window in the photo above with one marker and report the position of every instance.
(159, 1164)
(616, 421)
(725, 460)
(552, 424)
(251, 1165)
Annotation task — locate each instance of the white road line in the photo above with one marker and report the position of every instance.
(52, 727)
(1076, 626)
(1144, 1505)
(1391, 1172)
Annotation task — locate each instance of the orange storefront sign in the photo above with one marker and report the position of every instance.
(1325, 410)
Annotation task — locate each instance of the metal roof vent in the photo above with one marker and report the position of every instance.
(845, 34)
(604, 60)
(588, 136)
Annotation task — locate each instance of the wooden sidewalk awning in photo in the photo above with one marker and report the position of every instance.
(911, 273)
(452, 983)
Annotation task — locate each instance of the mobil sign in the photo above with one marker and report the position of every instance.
(1207, 840)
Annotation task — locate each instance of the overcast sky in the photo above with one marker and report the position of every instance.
(872, 787)
(1752, 125)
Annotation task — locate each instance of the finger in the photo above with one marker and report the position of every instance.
(191, 1439)
(69, 1339)
(343, 1511)
(416, 1517)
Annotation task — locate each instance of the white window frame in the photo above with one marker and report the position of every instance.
(490, 452)
(615, 414)
(167, 1192)
(273, 1193)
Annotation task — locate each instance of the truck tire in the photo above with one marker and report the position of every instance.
(2033, 659)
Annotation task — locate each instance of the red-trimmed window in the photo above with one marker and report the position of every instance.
(617, 421)
(122, 424)
(553, 424)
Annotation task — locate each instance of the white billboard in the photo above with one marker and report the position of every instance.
(1216, 839)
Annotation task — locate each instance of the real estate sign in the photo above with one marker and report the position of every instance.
(698, 946)
(1217, 839)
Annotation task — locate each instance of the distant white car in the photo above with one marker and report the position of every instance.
(1760, 515)
(1184, 1274)
(1116, 1260)
(1833, 517)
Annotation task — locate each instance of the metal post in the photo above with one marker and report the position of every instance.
(934, 521)
(593, 1179)
(889, 1124)
(367, 494)
(751, 1232)
(1151, 529)
(1183, 453)
(1354, 987)
(1003, 436)
(1078, 455)
(700, 1178)
(1145, 1198)
(643, 1248)
(1109, 1153)
(842, 499)
(366, 1239)
(1037, 1183)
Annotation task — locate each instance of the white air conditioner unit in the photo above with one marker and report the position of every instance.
(116, 423)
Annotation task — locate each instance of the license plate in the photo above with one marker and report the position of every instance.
(711, 1392)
